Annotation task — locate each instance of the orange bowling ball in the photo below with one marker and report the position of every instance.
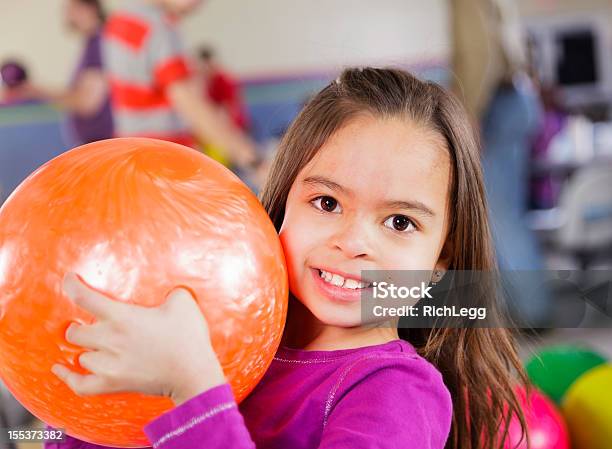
(135, 218)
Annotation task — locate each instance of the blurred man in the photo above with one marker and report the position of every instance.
(223, 90)
(152, 89)
(490, 76)
(86, 99)
(221, 87)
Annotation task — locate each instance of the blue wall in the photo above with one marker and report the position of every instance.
(30, 135)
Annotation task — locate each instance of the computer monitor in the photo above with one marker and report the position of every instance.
(575, 54)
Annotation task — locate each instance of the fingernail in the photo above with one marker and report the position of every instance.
(67, 332)
(58, 370)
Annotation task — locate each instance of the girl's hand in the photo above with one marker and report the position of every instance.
(163, 351)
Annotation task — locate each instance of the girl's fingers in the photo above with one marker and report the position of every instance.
(90, 336)
(100, 363)
(82, 385)
(182, 301)
(93, 301)
(179, 295)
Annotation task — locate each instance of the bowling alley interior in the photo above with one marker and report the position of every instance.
(193, 192)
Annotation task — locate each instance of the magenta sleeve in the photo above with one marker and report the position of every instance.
(210, 420)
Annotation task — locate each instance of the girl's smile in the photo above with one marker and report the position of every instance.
(340, 287)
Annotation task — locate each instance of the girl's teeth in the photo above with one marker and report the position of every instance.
(339, 281)
(351, 283)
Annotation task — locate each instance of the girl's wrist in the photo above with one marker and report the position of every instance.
(198, 382)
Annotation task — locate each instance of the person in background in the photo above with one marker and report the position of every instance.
(152, 88)
(87, 98)
(14, 78)
(223, 90)
(545, 187)
(221, 87)
(490, 69)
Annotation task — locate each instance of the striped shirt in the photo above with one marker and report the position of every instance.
(143, 57)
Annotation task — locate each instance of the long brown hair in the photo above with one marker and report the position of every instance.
(477, 364)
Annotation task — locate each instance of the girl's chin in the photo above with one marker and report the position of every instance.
(326, 312)
(338, 318)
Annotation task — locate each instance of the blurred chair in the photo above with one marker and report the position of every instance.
(585, 231)
(11, 411)
(12, 415)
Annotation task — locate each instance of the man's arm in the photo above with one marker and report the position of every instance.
(208, 124)
(85, 98)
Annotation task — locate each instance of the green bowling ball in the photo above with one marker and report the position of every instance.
(556, 368)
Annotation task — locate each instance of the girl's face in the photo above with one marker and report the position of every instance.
(375, 197)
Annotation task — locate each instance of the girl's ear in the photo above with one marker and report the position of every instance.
(446, 256)
(444, 261)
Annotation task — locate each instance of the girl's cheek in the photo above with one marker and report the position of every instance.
(297, 229)
(416, 255)
(291, 238)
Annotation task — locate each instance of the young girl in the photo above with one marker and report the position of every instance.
(380, 171)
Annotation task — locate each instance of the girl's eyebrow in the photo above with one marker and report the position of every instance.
(313, 180)
(390, 204)
(412, 205)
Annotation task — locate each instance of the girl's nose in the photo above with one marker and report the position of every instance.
(352, 238)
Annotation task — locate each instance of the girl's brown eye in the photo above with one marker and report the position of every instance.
(325, 203)
(400, 223)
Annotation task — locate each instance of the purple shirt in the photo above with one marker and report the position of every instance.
(384, 396)
(86, 129)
